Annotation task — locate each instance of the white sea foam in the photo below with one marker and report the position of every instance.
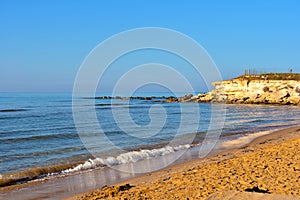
(128, 157)
(244, 139)
(134, 156)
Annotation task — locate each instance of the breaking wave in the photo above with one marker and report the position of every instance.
(128, 157)
(64, 169)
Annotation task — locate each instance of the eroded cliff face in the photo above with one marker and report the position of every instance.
(242, 90)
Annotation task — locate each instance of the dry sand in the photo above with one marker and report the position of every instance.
(267, 168)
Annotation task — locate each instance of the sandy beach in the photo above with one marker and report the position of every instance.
(266, 168)
(149, 100)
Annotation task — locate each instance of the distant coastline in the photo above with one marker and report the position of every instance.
(277, 89)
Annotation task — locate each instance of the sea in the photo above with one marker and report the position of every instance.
(40, 139)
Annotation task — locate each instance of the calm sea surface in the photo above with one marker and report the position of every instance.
(37, 129)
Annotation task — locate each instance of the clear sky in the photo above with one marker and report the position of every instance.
(43, 43)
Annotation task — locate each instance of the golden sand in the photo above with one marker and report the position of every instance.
(270, 164)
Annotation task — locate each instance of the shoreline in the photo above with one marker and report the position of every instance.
(145, 183)
(39, 173)
(94, 178)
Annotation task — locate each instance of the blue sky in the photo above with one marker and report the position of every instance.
(43, 43)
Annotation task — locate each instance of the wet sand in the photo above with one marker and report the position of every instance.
(267, 168)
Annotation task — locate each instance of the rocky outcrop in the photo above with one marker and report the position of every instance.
(242, 90)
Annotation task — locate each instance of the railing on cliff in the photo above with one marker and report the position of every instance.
(271, 76)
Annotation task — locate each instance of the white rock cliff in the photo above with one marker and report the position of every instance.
(241, 90)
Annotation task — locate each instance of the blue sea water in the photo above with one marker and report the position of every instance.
(37, 129)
